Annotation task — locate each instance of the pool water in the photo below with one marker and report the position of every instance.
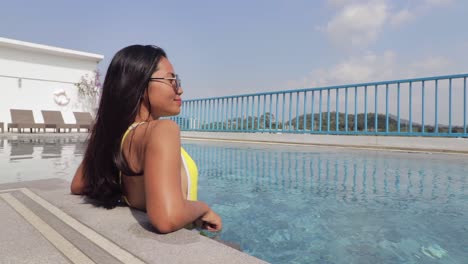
(32, 158)
(291, 204)
(329, 205)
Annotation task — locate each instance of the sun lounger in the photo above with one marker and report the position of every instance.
(23, 119)
(83, 120)
(54, 119)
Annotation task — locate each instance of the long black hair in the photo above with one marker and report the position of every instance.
(123, 91)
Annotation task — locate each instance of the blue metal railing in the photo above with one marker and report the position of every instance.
(432, 106)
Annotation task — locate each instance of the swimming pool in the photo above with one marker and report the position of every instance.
(291, 204)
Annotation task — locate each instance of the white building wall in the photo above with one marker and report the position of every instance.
(29, 78)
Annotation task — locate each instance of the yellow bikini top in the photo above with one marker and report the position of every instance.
(190, 168)
(192, 175)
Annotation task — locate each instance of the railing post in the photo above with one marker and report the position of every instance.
(283, 111)
(320, 111)
(242, 114)
(386, 108)
(237, 113)
(436, 130)
(297, 112)
(312, 117)
(355, 109)
(247, 113)
(376, 129)
(222, 114)
(290, 111)
(276, 116)
(422, 107)
(450, 106)
(253, 113)
(328, 110)
(337, 108)
(258, 112)
(264, 112)
(464, 106)
(398, 107)
(346, 109)
(304, 119)
(410, 107)
(211, 114)
(205, 114)
(365, 108)
(269, 126)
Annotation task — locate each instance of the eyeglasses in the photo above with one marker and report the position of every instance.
(176, 83)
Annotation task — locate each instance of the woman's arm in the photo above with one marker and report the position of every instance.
(78, 183)
(167, 209)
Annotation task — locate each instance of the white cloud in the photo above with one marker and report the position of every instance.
(431, 66)
(352, 70)
(375, 67)
(357, 24)
(401, 17)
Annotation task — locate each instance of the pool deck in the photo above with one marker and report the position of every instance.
(392, 143)
(43, 223)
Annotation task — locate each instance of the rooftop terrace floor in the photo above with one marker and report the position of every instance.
(43, 223)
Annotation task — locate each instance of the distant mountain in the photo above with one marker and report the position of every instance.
(402, 121)
(267, 121)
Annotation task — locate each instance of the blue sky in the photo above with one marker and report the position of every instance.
(232, 47)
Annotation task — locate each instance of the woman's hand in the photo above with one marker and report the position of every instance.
(210, 221)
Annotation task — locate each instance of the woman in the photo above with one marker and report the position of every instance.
(135, 157)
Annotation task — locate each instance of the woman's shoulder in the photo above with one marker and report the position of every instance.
(165, 126)
(162, 131)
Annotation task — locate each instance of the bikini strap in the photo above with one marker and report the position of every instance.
(130, 128)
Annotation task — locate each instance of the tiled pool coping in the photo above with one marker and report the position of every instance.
(43, 223)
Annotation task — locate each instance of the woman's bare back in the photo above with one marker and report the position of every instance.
(134, 152)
